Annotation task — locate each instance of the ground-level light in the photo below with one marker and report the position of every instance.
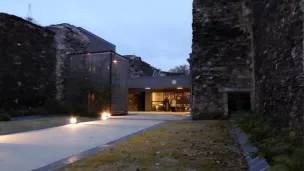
(179, 88)
(73, 120)
(115, 61)
(148, 88)
(105, 115)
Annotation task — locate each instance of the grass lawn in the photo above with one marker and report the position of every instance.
(28, 125)
(198, 145)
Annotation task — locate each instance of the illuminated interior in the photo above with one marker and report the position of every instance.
(91, 98)
(182, 100)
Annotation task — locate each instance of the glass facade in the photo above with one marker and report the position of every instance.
(182, 100)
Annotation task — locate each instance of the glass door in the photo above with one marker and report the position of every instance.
(157, 101)
(171, 95)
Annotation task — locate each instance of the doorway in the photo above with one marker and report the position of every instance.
(141, 101)
(136, 101)
(239, 101)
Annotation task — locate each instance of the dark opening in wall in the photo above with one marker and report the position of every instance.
(141, 101)
(239, 101)
(137, 101)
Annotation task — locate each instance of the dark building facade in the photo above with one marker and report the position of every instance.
(148, 93)
(98, 82)
(103, 72)
(97, 44)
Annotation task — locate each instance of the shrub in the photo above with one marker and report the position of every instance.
(279, 148)
(39, 111)
(209, 116)
(293, 162)
(15, 113)
(52, 106)
(249, 122)
(4, 116)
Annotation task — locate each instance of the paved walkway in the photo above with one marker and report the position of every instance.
(32, 150)
(159, 113)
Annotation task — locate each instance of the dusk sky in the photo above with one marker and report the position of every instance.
(159, 31)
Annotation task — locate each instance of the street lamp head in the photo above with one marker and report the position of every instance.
(115, 61)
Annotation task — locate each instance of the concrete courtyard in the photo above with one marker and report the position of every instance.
(32, 150)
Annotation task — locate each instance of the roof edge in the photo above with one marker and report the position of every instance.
(95, 36)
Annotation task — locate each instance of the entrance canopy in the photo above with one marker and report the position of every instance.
(160, 82)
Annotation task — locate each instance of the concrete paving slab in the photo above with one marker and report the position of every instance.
(32, 150)
(60, 163)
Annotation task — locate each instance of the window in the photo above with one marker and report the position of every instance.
(157, 96)
(157, 101)
(91, 98)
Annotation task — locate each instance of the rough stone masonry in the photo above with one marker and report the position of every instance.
(221, 59)
(249, 44)
(27, 61)
(278, 58)
(32, 61)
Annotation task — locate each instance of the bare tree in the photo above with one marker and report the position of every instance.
(181, 69)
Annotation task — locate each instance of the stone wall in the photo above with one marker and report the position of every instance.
(278, 47)
(139, 68)
(237, 43)
(33, 60)
(27, 63)
(132, 101)
(68, 39)
(221, 54)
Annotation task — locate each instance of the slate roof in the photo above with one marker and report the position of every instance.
(158, 82)
(97, 44)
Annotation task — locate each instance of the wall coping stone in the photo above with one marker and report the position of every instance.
(254, 164)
